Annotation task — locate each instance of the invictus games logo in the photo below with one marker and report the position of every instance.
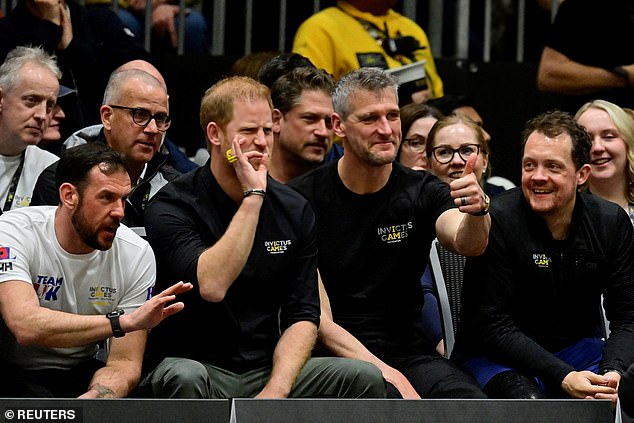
(7, 257)
(394, 233)
(22, 200)
(542, 260)
(102, 295)
(277, 247)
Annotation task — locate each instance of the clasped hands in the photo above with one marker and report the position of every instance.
(589, 385)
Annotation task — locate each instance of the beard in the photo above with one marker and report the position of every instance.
(89, 236)
(374, 159)
(371, 156)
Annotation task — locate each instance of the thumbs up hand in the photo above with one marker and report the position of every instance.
(467, 192)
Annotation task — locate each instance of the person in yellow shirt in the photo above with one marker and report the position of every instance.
(364, 33)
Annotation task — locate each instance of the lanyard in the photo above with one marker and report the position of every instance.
(379, 35)
(146, 196)
(14, 184)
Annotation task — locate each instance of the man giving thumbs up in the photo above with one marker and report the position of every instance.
(376, 220)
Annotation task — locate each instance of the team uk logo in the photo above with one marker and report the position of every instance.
(6, 259)
(47, 287)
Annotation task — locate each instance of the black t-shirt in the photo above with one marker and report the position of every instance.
(277, 287)
(529, 296)
(373, 250)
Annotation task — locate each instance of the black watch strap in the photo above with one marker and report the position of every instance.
(113, 316)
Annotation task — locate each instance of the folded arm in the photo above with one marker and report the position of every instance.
(557, 73)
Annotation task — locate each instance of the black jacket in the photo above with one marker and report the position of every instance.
(46, 193)
(529, 296)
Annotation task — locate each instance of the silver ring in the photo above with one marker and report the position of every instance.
(463, 201)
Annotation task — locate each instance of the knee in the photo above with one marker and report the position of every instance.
(185, 372)
(364, 379)
(130, 21)
(180, 378)
(196, 34)
(195, 23)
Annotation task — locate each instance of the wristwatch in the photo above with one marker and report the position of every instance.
(113, 316)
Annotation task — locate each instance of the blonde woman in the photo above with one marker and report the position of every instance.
(612, 156)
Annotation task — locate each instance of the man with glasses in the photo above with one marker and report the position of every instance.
(375, 223)
(134, 116)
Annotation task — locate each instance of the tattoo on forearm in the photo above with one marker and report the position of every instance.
(103, 392)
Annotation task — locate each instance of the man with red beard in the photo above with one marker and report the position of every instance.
(134, 117)
(531, 303)
(247, 243)
(70, 277)
(376, 220)
(28, 92)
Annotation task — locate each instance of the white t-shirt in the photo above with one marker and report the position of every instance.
(87, 284)
(35, 161)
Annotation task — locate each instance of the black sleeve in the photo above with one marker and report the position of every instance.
(301, 302)
(435, 197)
(626, 391)
(45, 192)
(487, 320)
(174, 235)
(619, 299)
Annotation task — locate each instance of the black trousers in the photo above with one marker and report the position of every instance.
(436, 377)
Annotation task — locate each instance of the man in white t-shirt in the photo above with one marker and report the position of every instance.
(28, 92)
(72, 276)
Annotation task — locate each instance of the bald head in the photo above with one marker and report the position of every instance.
(145, 67)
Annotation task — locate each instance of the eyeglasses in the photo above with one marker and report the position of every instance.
(416, 144)
(143, 117)
(444, 154)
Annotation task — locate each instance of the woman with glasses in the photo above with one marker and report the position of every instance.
(450, 142)
(416, 122)
(612, 155)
